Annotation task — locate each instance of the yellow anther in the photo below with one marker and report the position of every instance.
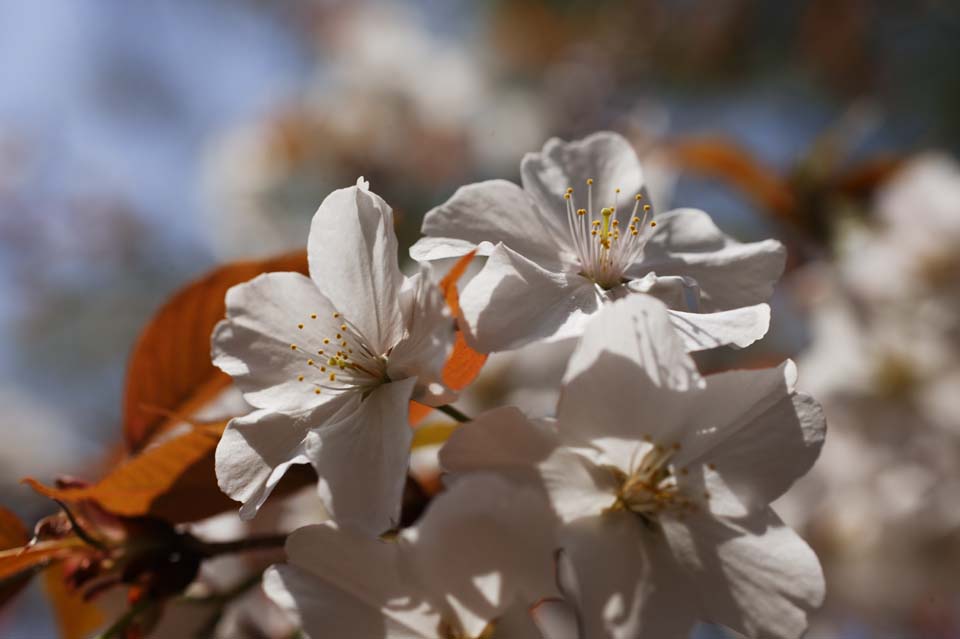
(615, 223)
(299, 378)
(635, 220)
(634, 231)
(589, 181)
(333, 377)
(343, 343)
(566, 196)
(326, 340)
(320, 352)
(638, 197)
(581, 211)
(569, 189)
(336, 315)
(316, 391)
(339, 336)
(646, 208)
(323, 369)
(300, 326)
(293, 347)
(309, 362)
(343, 327)
(652, 224)
(313, 316)
(593, 232)
(616, 190)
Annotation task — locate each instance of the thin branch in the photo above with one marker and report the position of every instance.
(79, 530)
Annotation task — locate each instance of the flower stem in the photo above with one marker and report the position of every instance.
(450, 411)
(212, 549)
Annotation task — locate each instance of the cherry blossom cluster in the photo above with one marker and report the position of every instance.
(638, 508)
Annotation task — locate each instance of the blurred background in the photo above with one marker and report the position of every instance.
(143, 143)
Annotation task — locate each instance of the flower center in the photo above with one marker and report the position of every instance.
(338, 357)
(651, 486)
(448, 631)
(603, 249)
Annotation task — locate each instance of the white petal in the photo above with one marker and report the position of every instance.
(577, 487)
(730, 274)
(731, 401)
(483, 544)
(628, 364)
(362, 460)
(493, 211)
(324, 610)
(424, 349)
(352, 250)
(770, 450)
(612, 571)
(755, 574)
(257, 449)
(253, 345)
(428, 249)
(499, 439)
(739, 327)
(606, 157)
(333, 567)
(513, 301)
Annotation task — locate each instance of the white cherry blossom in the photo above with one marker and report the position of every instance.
(481, 554)
(331, 362)
(663, 480)
(581, 232)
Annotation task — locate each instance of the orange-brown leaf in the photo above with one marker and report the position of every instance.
(729, 162)
(76, 618)
(170, 372)
(13, 534)
(12, 531)
(464, 363)
(134, 488)
(15, 561)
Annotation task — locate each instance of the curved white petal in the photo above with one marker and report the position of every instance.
(429, 249)
(629, 364)
(771, 450)
(352, 250)
(755, 575)
(577, 487)
(482, 545)
(257, 449)
(739, 327)
(729, 273)
(253, 345)
(612, 572)
(429, 334)
(605, 157)
(493, 211)
(513, 302)
(362, 460)
(499, 439)
(338, 577)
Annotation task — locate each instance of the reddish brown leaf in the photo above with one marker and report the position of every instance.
(13, 534)
(725, 160)
(12, 531)
(170, 373)
(136, 487)
(464, 363)
(15, 561)
(76, 618)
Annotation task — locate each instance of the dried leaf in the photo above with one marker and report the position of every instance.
(76, 618)
(154, 477)
(170, 373)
